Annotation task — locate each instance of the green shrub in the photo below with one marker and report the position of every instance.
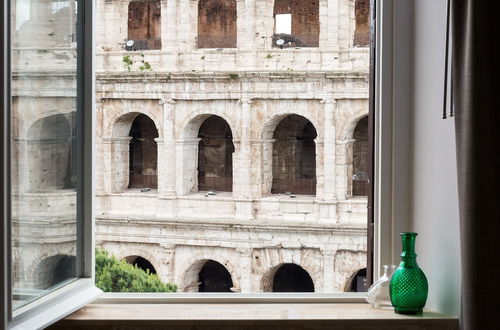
(113, 275)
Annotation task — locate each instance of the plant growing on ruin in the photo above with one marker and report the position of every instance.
(113, 275)
(269, 56)
(234, 76)
(127, 60)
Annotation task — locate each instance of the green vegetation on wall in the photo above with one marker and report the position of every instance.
(113, 275)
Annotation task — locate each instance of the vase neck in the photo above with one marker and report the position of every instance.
(408, 240)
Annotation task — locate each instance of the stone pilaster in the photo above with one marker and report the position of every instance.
(116, 164)
(167, 154)
(343, 168)
(169, 25)
(329, 149)
(328, 271)
(245, 270)
(320, 168)
(186, 166)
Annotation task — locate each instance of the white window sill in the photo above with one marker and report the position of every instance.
(359, 316)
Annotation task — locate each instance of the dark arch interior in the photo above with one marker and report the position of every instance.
(214, 277)
(141, 263)
(358, 282)
(215, 155)
(292, 278)
(52, 162)
(294, 156)
(143, 153)
(360, 159)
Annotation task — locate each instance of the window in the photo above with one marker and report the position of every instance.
(144, 25)
(295, 261)
(296, 23)
(217, 24)
(46, 159)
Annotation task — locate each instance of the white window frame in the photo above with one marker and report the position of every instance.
(392, 177)
(72, 296)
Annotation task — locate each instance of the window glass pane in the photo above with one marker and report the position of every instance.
(234, 156)
(43, 126)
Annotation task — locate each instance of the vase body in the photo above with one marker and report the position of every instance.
(378, 294)
(408, 287)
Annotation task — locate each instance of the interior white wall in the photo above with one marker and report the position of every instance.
(435, 197)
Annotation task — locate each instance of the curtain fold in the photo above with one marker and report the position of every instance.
(476, 97)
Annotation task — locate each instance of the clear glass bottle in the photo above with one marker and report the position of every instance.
(378, 294)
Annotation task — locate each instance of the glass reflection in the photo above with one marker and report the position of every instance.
(44, 204)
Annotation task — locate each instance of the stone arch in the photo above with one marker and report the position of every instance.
(347, 129)
(191, 275)
(287, 277)
(120, 160)
(141, 263)
(140, 252)
(347, 263)
(144, 24)
(344, 160)
(355, 283)
(217, 24)
(277, 176)
(188, 155)
(268, 127)
(190, 126)
(359, 165)
(52, 252)
(49, 154)
(120, 122)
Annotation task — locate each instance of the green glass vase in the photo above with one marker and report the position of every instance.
(408, 288)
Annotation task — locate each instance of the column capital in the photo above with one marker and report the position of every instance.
(245, 100)
(328, 100)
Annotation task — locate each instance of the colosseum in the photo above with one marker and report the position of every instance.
(231, 140)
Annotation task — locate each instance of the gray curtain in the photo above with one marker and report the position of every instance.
(476, 97)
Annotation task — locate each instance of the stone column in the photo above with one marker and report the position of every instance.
(167, 156)
(116, 164)
(246, 24)
(328, 271)
(320, 169)
(256, 170)
(169, 25)
(343, 177)
(245, 154)
(186, 166)
(329, 149)
(245, 270)
(264, 25)
(267, 165)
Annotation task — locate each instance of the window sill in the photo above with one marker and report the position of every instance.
(248, 316)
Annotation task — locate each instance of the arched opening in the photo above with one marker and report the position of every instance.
(296, 23)
(54, 270)
(292, 278)
(214, 277)
(50, 151)
(294, 156)
(357, 282)
(143, 153)
(362, 17)
(141, 263)
(360, 184)
(215, 155)
(144, 22)
(217, 24)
